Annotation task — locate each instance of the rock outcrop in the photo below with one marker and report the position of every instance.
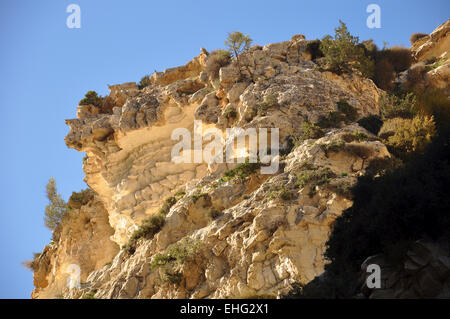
(81, 245)
(433, 45)
(246, 236)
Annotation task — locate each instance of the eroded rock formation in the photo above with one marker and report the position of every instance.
(251, 236)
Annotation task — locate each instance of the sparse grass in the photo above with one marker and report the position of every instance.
(314, 177)
(343, 188)
(196, 196)
(309, 131)
(280, 192)
(173, 258)
(434, 65)
(174, 278)
(241, 171)
(358, 136)
(270, 101)
(393, 106)
(334, 146)
(150, 226)
(175, 254)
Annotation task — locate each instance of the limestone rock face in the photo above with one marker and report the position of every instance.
(433, 45)
(253, 236)
(81, 244)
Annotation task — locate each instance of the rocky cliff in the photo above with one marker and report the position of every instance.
(246, 235)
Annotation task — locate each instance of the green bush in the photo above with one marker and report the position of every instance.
(314, 177)
(342, 52)
(57, 209)
(152, 225)
(285, 194)
(177, 253)
(310, 131)
(394, 106)
(92, 98)
(334, 146)
(89, 295)
(241, 171)
(145, 81)
(237, 44)
(356, 136)
(411, 136)
(433, 102)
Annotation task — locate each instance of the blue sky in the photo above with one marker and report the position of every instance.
(45, 69)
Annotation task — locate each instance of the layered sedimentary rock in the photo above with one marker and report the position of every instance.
(82, 244)
(249, 236)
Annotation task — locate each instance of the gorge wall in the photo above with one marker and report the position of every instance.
(224, 237)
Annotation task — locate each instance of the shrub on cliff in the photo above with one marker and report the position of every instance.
(416, 36)
(57, 209)
(342, 52)
(152, 225)
(238, 43)
(241, 171)
(78, 199)
(411, 136)
(216, 60)
(309, 131)
(145, 81)
(397, 106)
(32, 264)
(434, 102)
(92, 98)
